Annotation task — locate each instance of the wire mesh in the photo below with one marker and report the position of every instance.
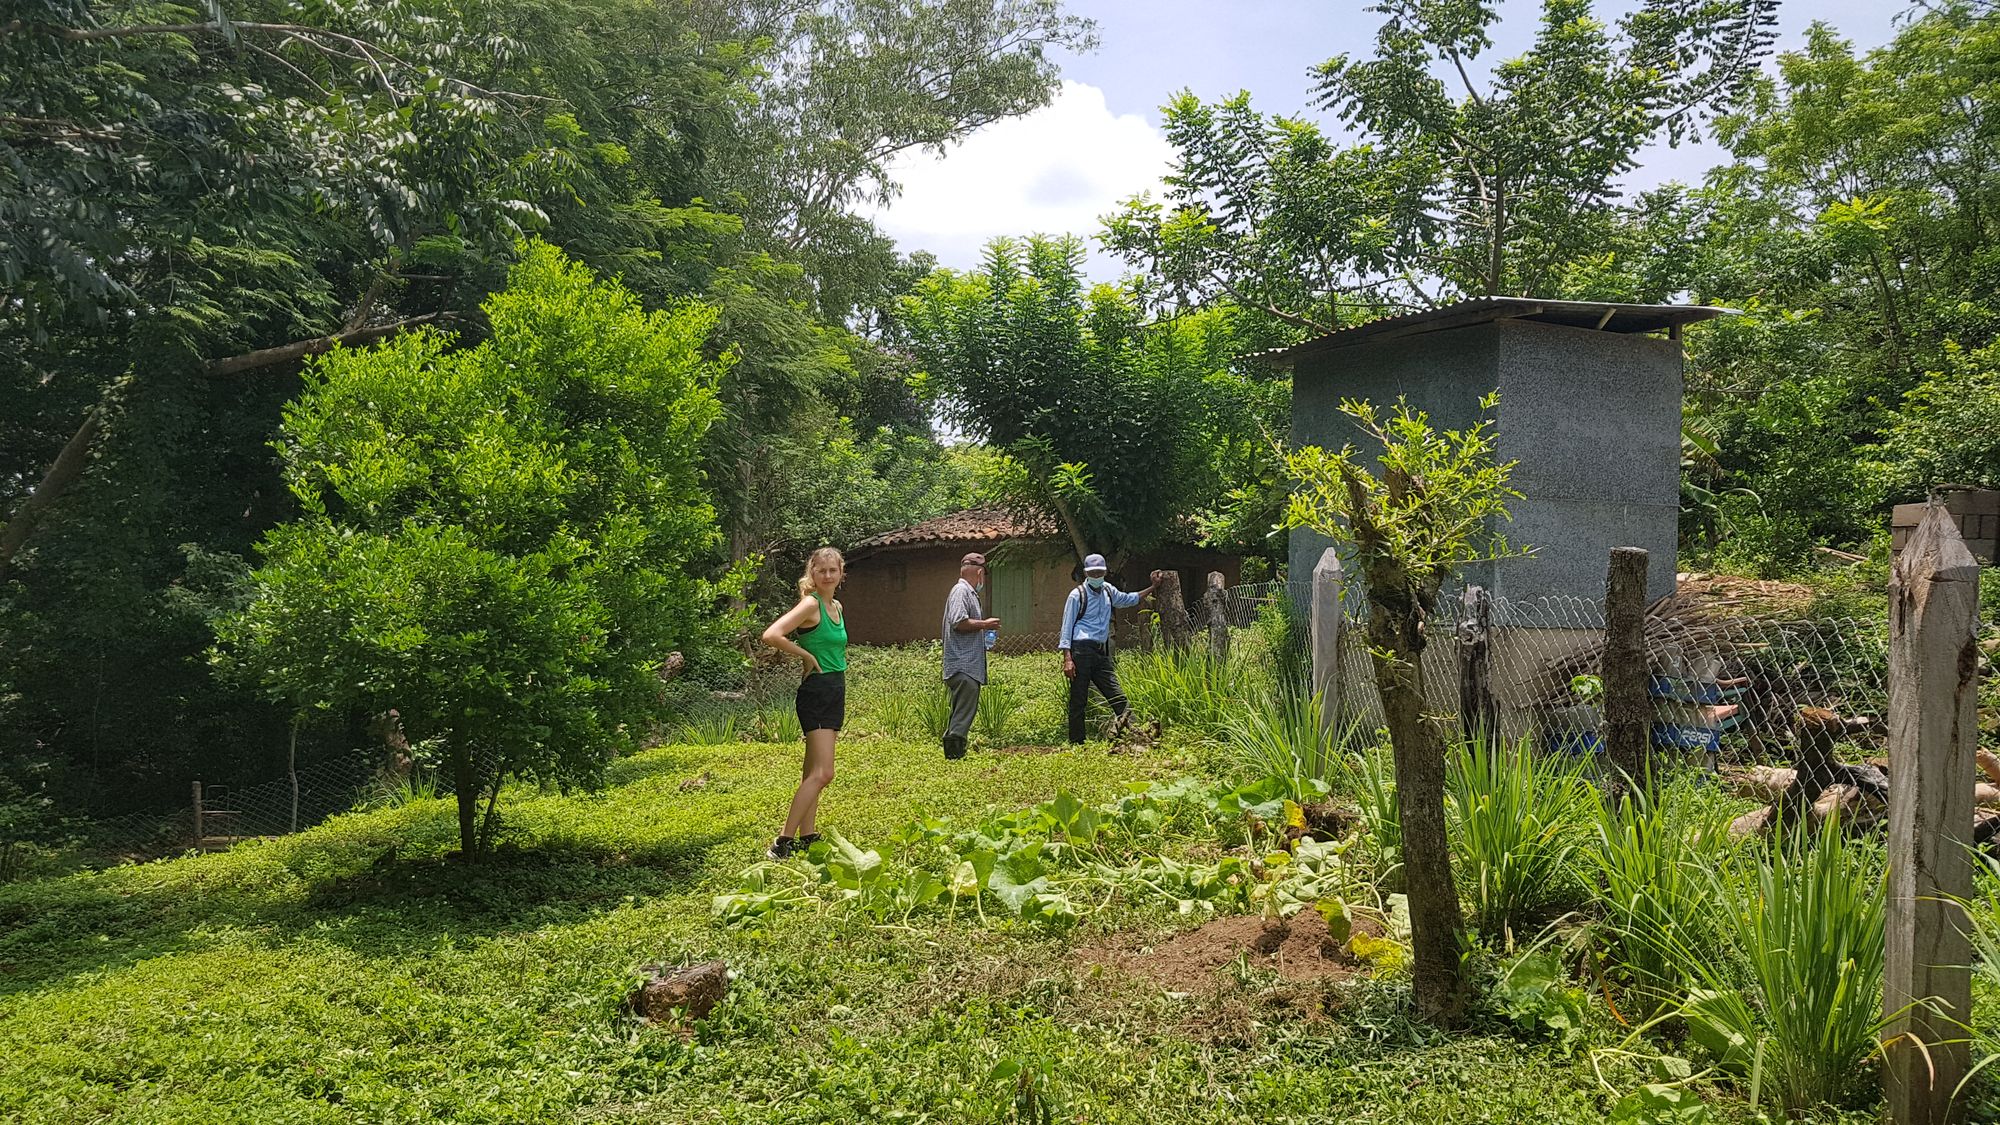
(1724, 685)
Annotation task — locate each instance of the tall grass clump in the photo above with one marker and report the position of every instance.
(1371, 777)
(997, 704)
(1791, 1003)
(1280, 736)
(1653, 858)
(1984, 912)
(712, 730)
(1517, 823)
(1284, 631)
(1188, 688)
(779, 724)
(933, 709)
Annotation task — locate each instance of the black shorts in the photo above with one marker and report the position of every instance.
(823, 701)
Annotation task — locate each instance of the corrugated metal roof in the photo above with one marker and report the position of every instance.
(1597, 315)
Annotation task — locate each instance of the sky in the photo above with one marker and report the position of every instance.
(1060, 169)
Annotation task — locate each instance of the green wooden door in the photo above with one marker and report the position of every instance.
(1010, 596)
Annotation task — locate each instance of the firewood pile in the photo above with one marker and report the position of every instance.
(1817, 787)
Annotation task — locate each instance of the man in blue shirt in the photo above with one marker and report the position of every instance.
(1086, 644)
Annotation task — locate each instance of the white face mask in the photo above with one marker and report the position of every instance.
(1096, 581)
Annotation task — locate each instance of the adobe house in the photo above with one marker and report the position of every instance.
(897, 581)
(1590, 407)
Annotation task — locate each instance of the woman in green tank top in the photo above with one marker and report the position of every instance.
(821, 626)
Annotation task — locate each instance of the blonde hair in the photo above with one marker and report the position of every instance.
(820, 556)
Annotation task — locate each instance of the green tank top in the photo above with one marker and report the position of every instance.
(827, 641)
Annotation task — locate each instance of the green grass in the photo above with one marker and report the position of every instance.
(353, 973)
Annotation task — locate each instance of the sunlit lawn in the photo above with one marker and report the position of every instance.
(354, 974)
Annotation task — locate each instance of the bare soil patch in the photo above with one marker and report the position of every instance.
(1298, 949)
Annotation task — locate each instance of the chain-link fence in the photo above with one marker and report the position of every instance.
(1725, 684)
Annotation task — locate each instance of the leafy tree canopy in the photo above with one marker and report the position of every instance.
(1456, 182)
(1114, 424)
(500, 542)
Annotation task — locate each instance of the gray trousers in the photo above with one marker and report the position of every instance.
(964, 693)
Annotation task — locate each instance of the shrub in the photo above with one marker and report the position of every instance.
(500, 542)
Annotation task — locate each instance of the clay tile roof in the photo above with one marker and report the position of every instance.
(972, 526)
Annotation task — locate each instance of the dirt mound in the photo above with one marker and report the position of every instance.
(1299, 948)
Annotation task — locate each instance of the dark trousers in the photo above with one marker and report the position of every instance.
(1093, 666)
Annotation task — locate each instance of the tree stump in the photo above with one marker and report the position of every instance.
(689, 993)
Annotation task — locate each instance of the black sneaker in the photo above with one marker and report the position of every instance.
(805, 841)
(781, 849)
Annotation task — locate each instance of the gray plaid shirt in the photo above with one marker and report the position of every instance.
(964, 653)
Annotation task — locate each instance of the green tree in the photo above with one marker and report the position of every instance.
(1457, 182)
(1112, 423)
(1854, 229)
(1431, 509)
(498, 542)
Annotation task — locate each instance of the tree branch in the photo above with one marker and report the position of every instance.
(67, 466)
(299, 349)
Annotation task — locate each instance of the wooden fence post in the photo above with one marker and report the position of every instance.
(292, 772)
(1217, 601)
(1628, 706)
(1326, 578)
(1933, 673)
(1478, 711)
(1174, 625)
(200, 832)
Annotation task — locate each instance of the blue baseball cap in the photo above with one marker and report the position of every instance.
(1093, 562)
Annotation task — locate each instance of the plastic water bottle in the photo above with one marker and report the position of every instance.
(992, 637)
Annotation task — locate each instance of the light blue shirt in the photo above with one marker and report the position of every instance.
(1093, 621)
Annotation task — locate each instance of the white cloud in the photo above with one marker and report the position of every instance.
(1054, 171)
